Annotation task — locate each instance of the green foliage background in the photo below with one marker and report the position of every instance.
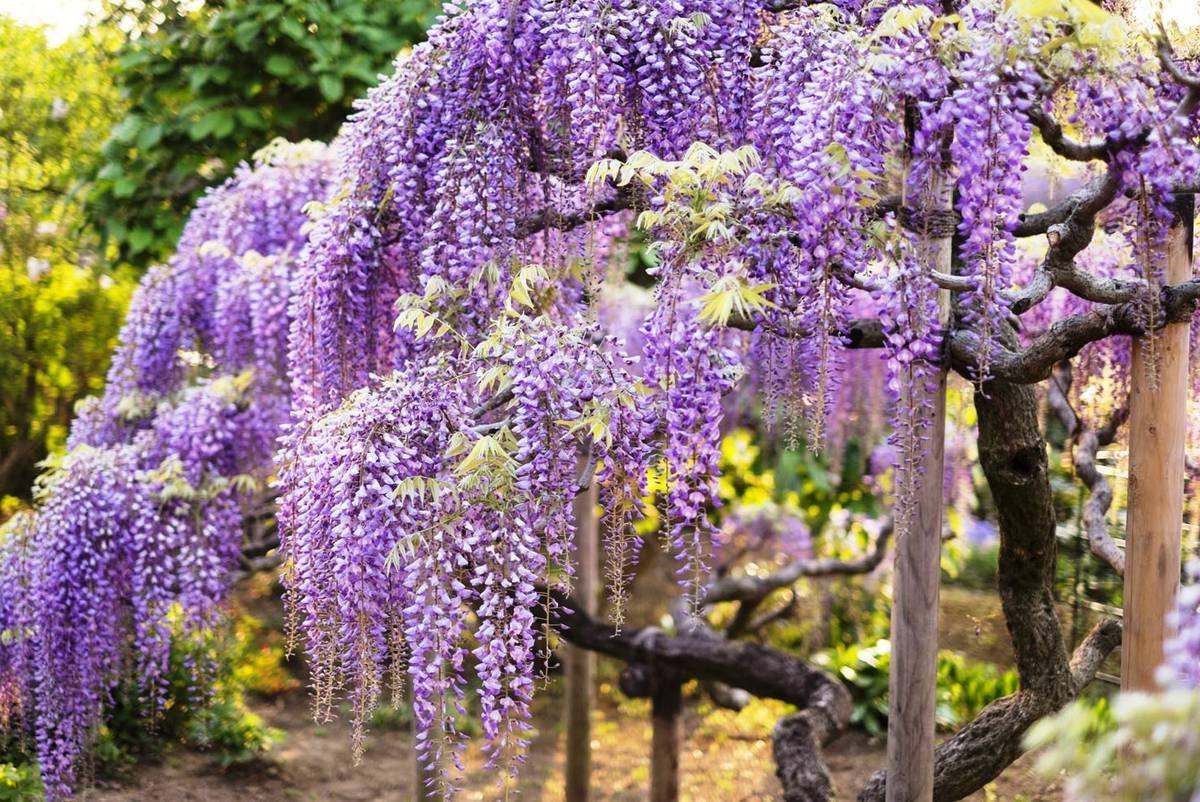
(106, 141)
(208, 86)
(59, 309)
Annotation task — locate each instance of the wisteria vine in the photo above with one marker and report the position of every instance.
(776, 171)
(138, 528)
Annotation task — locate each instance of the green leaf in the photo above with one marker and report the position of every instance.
(331, 86)
(124, 187)
(219, 122)
(140, 239)
(292, 28)
(250, 117)
(127, 130)
(280, 65)
(149, 137)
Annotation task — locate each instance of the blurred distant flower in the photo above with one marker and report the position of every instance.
(36, 268)
(47, 228)
(211, 169)
(1181, 663)
(882, 458)
(764, 528)
(981, 532)
(59, 109)
(3, 212)
(105, 281)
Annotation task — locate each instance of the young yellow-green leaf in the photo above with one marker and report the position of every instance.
(487, 449)
(649, 219)
(731, 294)
(902, 19)
(495, 377)
(600, 172)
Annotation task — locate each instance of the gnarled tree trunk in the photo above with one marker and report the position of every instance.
(1013, 455)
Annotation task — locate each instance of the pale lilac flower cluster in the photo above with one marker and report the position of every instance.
(1181, 652)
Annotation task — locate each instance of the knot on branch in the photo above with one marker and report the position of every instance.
(1025, 463)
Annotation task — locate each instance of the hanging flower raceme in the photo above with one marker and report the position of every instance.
(137, 529)
(442, 493)
(471, 184)
(111, 547)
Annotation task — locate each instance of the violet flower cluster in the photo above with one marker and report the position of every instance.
(448, 385)
(137, 529)
(449, 382)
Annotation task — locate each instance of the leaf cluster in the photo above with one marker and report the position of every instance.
(208, 86)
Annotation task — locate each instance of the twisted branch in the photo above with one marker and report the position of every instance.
(1064, 339)
(741, 587)
(655, 657)
(1087, 441)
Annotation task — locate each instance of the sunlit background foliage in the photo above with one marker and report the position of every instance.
(61, 299)
(205, 84)
(109, 137)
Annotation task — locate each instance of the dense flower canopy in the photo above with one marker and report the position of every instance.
(455, 372)
(139, 526)
(789, 165)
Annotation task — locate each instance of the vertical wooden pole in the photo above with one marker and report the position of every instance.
(580, 664)
(912, 682)
(1157, 431)
(666, 739)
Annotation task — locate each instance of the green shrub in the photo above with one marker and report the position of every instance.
(230, 732)
(391, 717)
(1141, 748)
(964, 688)
(864, 672)
(20, 782)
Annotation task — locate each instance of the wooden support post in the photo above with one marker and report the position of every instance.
(1157, 431)
(580, 663)
(912, 682)
(666, 739)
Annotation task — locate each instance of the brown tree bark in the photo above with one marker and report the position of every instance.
(1013, 456)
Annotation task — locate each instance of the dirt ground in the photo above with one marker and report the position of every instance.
(727, 757)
